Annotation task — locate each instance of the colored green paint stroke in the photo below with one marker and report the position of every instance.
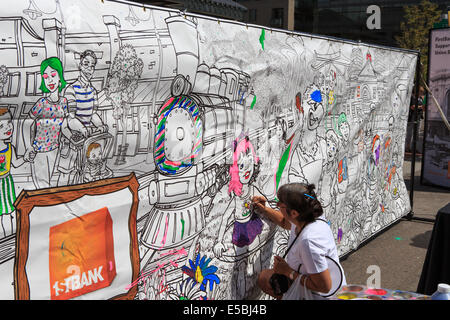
(182, 228)
(283, 161)
(262, 37)
(253, 103)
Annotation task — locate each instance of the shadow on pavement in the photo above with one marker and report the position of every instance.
(421, 240)
(421, 187)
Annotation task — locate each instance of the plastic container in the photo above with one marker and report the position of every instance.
(442, 293)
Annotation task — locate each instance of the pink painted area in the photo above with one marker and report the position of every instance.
(159, 135)
(143, 276)
(174, 252)
(165, 232)
(172, 163)
(235, 184)
(378, 292)
(160, 156)
(168, 102)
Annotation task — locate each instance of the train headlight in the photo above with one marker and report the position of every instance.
(153, 192)
(200, 183)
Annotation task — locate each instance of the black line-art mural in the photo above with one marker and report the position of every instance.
(205, 115)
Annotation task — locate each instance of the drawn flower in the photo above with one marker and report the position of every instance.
(2, 159)
(186, 291)
(216, 293)
(201, 273)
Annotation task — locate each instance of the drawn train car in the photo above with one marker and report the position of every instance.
(192, 151)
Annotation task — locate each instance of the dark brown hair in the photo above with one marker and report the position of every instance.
(302, 198)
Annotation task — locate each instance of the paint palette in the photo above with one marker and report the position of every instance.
(360, 292)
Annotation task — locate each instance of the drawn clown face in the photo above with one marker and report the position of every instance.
(246, 166)
(6, 129)
(51, 79)
(314, 110)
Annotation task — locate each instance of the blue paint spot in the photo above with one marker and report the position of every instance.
(316, 96)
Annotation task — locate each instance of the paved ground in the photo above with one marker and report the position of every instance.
(400, 250)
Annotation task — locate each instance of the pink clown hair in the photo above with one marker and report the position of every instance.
(240, 147)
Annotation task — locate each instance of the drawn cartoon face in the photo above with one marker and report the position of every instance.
(246, 166)
(6, 129)
(87, 67)
(51, 79)
(332, 141)
(331, 149)
(95, 155)
(314, 110)
(344, 128)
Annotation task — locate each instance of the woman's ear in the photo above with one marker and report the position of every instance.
(294, 213)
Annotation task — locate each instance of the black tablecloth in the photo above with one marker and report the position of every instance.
(436, 267)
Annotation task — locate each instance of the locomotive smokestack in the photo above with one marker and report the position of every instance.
(185, 41)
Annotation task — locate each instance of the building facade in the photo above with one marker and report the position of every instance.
(366, 20)
(226, 9)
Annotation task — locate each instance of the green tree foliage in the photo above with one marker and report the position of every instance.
(415, 28)
(121, 85)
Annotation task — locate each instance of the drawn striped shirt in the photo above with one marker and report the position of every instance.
(7, 190)
(83, 101)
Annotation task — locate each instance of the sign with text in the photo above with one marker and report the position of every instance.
(66, 252)
(436, 157)
(81, 257)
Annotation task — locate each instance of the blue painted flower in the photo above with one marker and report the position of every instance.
(200, 272)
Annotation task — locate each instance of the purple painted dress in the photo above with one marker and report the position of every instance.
(248, 226)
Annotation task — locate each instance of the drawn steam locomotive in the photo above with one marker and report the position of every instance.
(193, 139)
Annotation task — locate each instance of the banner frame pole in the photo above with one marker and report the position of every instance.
(410, 215)
(415, 122)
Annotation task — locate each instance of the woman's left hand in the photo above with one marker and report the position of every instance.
(280, 266)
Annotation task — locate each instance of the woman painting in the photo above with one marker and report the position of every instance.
(310, 243)
(47, 119)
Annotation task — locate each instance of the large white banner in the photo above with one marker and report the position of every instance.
(436, 158)
(206, 114)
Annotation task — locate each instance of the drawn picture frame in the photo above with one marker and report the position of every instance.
(28, 200)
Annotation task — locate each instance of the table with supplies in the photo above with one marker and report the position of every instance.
(437, 261)
(361, 292)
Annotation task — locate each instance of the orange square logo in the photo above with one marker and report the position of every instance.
(81, 255)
